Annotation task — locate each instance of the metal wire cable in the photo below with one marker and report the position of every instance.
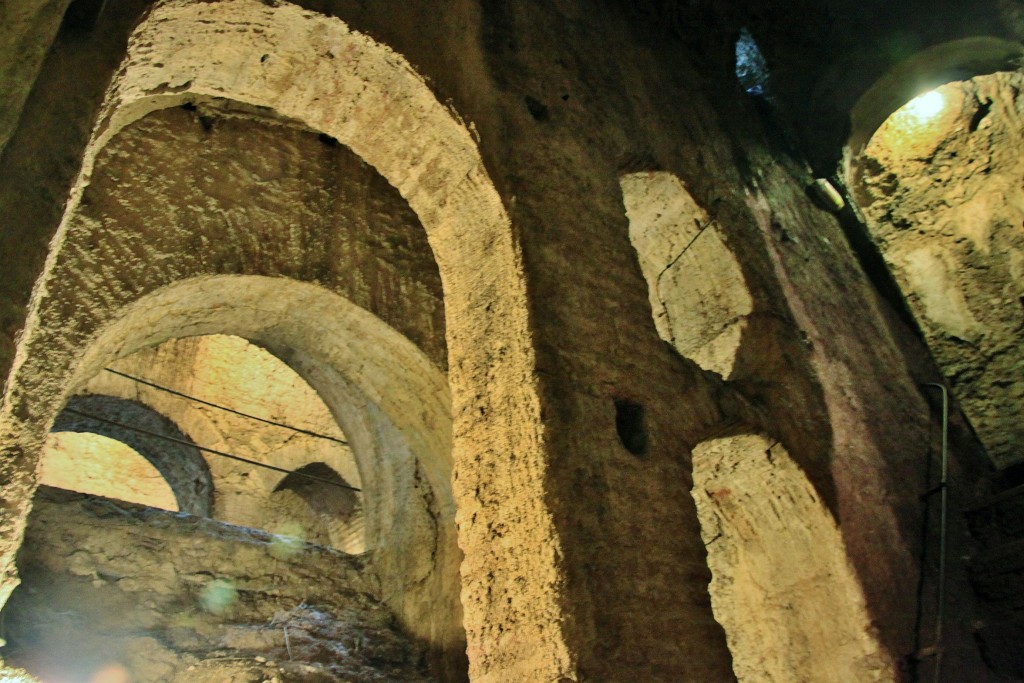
(225, 408)
(212, 451)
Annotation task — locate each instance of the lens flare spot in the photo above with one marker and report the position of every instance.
(111, 673)
(218, 596)
(289, 539)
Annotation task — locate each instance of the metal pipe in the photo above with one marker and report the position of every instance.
(943, 508)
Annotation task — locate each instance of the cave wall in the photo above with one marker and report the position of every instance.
(569, 573)
(29, 30)
(944, 202)
(56, 74)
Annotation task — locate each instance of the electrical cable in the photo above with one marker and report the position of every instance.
(225, 408)
(222, 454)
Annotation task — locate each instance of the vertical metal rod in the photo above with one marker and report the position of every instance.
(943, 507)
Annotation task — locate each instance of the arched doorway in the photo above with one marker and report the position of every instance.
(171, 454)
(366, 374)
(87, 462)
(424, 153)
(256, 420)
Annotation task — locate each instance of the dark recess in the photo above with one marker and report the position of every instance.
(629, 422)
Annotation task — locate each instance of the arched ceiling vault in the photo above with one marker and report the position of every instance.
(314, 70)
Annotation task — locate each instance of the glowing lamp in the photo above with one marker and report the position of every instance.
(926, 106)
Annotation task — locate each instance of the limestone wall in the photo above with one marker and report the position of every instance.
(502, 131)
(943, 197)
(29, 30)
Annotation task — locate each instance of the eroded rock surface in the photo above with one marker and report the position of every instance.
(945, 204)
(168, 598)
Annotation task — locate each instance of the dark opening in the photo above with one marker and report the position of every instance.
(538, 110)
(629, 422)
(751, 67)
(323, 499)
(327, 140)
(82, 15)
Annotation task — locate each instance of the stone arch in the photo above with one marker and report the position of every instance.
(343, 84)
(940, 195)
(952, 61)
(774, 550)
(336, 511)
(182, 465)
(370, 377)
(699, 296)
(219, 389)
(96, 465)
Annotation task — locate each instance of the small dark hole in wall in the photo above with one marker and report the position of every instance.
(537, 109)
(983, 110)
(630, 424)
(328, 140)
(189, 106)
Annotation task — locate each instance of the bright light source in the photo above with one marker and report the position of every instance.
(111, 673)
(926, 106)
(916, 128)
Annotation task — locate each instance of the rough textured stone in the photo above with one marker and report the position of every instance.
(89, 463)
(193, 600)
(43, 156)
(29, 30)
(782, 585)
(943, 197)
(507, 128)
(699, 297)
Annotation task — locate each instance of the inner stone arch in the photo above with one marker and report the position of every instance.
(699, 297)
(930, 68)
(336, 509)
(179, 462)
(938, 185)
(367, 375)
(236, 398)
(782, 587)
(90, 463)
